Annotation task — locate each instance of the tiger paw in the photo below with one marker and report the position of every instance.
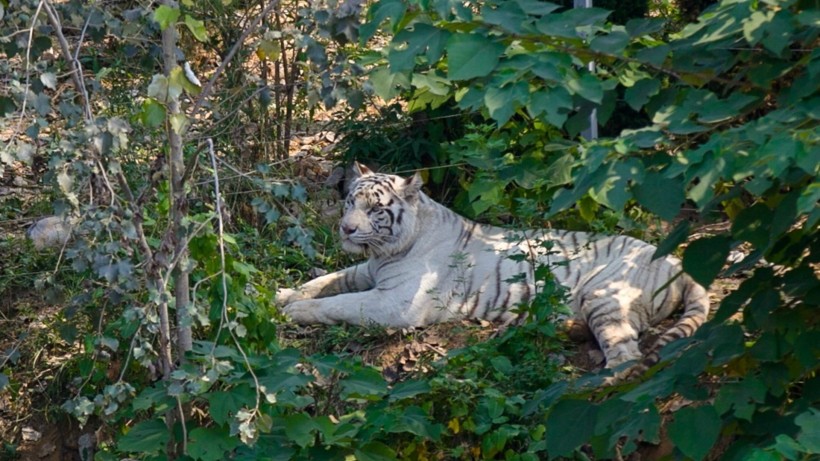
(306, 312)
(285, 296)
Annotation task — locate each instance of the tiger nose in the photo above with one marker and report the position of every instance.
(347, 230)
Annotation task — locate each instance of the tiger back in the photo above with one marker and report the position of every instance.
(426, 264)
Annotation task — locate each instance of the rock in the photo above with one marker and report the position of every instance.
(30, 435)
(50, 232)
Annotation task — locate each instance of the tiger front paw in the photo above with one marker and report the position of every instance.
(285, 296)
(305, 312)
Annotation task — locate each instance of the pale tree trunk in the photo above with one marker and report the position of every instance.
(177, 232)
(179, 199)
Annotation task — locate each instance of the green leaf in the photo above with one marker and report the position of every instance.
(224, 405)
(660, 195)
(644, 26)
(704, 258)
(366, 383)
(421, 38)
(387, 84)
(503, 102)
(7, 106)
(210, 444)
(580, 415)
(809, 435)
(507, 15)
(164, 15)
(638, 94)
(742, 397)
(612, 43)
(537, 7)
(695, 430)
(146, 437)
(554, 103)
(754, 225)
(588, 87)
(408, 389)
(471, 55)
(299, 428)
(379, 12)
(152, 113)
(197, 28)
(375, 451)
(162, 89)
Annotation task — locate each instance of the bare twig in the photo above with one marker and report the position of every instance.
(28, 60)
(220, 238)
(73, 62)
(209, 86)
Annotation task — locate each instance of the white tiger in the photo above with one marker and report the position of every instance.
(427, 264)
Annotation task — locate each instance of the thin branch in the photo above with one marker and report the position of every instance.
(209, 86)
(220, 238)
(76, 69)
(28, 60)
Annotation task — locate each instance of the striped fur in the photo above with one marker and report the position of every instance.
(427, 264)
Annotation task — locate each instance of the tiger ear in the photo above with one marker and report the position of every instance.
(360, 170)
(412, 187)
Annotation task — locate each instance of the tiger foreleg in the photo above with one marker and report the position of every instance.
(352, 279)
(363, 308)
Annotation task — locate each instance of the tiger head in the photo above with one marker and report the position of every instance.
(380, 212)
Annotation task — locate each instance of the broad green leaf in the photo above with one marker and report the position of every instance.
(742, 397)
(387, 84)
(433, 83)
(655, 55)
(753, 225)
(409, 43)
(416, 421)
(587, 86)
(752, 26)
(471, 55)
(644, 26)
(507, 15)
(638, 94)
(7, 106)
(179, 122)
(704, 258)
(503, 102)
(268, 49)
(580, 415)
(809, 436)
(224, 405)
(299, 427)
(197, 28)
(178, 79)
(145, 437)
(537, 7)
(366, 383)
(211, 443)
(375, 451)
(554, 103)
(165, 16)
(152, 113)
(162, 90)
(379, 12)
(408, 389)
(612, 43)
(662, 196)
(695, 430)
